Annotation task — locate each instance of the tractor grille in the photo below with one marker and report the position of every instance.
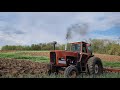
(53, 57)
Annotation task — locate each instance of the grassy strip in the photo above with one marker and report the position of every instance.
(105, 75)
(24, 57)
(111, 64)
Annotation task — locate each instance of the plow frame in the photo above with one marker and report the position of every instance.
(111, 70)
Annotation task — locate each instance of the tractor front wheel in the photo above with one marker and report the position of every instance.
(52, 69)
(71, 72)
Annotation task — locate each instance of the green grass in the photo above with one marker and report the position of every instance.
(111, 64)
(32, 76)
(24, 57)
(104, 75)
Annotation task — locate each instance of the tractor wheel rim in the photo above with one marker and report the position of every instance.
(73, 74)
(96, 69)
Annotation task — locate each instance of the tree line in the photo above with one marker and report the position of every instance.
(98, 46)
(39, 47)
(105, 46)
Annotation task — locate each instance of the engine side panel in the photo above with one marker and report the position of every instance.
(62, 57)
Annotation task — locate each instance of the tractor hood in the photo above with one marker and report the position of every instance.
(59, 57)
(65, 53)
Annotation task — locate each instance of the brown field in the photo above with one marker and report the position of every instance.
(6, 51)
(106, 57)
(36, 53)
(17, 67)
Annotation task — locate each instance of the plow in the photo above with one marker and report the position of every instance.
(111, 70)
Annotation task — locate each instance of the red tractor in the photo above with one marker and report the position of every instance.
(78, 60)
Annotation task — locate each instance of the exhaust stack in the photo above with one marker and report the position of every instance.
(66, 46)
(54, 43)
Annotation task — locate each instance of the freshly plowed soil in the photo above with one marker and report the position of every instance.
(16, 67)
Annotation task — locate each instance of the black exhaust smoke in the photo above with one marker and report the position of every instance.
(79, 29)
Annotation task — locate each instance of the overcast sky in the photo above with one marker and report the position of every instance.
(26, 28)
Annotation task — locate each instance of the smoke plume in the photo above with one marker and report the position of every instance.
(79, 29)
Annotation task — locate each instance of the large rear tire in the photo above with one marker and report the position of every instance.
(95, 66)
(71, 72)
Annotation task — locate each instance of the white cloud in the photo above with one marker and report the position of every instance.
(50, 26)
(11, 39)
(108, 19)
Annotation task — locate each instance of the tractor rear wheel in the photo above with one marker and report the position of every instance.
(71, 72)
(95, 66)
